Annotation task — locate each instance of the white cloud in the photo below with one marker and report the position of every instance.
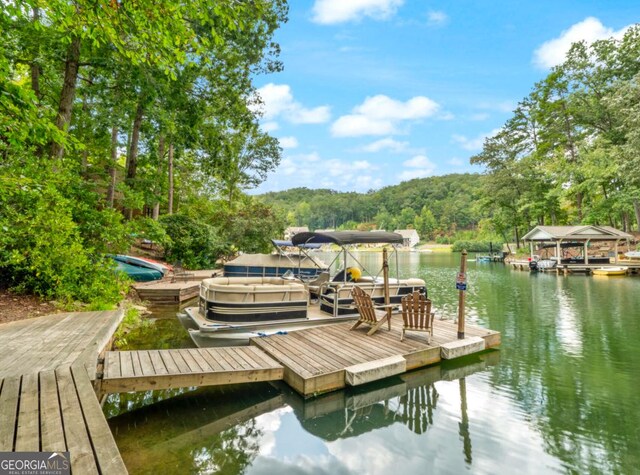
(473, 144)
(329, 12)
(379, 115)
(412, 174)
(297, 170)
(419, 167)
(446, 116)
(419, 161)
(437, 17)
(383, 107)
(270, 126)
(356, 125)
(288, 142)
(553, 52)
(386, 144)
(279, 102)
(456, 162)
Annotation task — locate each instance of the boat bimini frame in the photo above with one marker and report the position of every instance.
(335, 298)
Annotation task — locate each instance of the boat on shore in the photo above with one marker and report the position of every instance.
(610, 271)
(231, 310)
(139, 269)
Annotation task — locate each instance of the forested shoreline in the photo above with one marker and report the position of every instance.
(121, 121)
(570, 154)
(437, 207)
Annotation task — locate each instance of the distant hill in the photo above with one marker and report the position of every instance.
(452, 200)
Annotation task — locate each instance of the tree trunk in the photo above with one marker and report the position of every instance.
(112, 166)
(132, 155)
(85, 152)
(36, 70)
(636, 208)
(156, 207)
(579, 206)
(170, 201)
(517, 237)
(68, 93)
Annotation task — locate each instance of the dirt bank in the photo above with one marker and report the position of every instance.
(19, 307)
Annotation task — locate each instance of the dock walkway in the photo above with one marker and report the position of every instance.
(47, 400)
(126, 371)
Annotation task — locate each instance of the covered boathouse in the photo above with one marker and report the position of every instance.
(562, 238)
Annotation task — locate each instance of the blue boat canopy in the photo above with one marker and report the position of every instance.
(342, 238)
(280, 243)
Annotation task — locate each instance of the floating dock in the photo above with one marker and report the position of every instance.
(165, 292)
(52, 367)
(331, 357)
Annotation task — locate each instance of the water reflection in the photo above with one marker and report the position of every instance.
(246, 428)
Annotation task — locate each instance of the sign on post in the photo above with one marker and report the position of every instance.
(461, 281)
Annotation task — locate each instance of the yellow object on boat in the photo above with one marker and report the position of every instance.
(610, 271)
(354, 272)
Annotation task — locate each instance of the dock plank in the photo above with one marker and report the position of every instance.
(9, 398)
(158, 365)
(78, 443)
(106, 451)
(28, 431)
(51, 432)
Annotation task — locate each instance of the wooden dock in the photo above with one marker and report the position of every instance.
(196, 275)
(126, 371)
(567, 269)
(318, 360)
(165, 292)
(50, 370)
(47, 400)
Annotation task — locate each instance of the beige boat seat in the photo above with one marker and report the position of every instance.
(253, 289)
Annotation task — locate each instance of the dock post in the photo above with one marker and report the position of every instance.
(461, 291)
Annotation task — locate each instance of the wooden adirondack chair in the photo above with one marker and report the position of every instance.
(417, 315)
(367, 310)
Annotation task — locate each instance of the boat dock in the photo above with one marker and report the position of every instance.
(175, 289)
(312, 361)
(47, 399)
(53, 367)
(330, 357)
(164, 292)
(566, 269)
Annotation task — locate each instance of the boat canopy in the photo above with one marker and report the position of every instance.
(280, 243)
(343, 238)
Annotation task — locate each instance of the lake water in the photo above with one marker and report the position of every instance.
(561, 394)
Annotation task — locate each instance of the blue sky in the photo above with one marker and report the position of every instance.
(375, 92)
